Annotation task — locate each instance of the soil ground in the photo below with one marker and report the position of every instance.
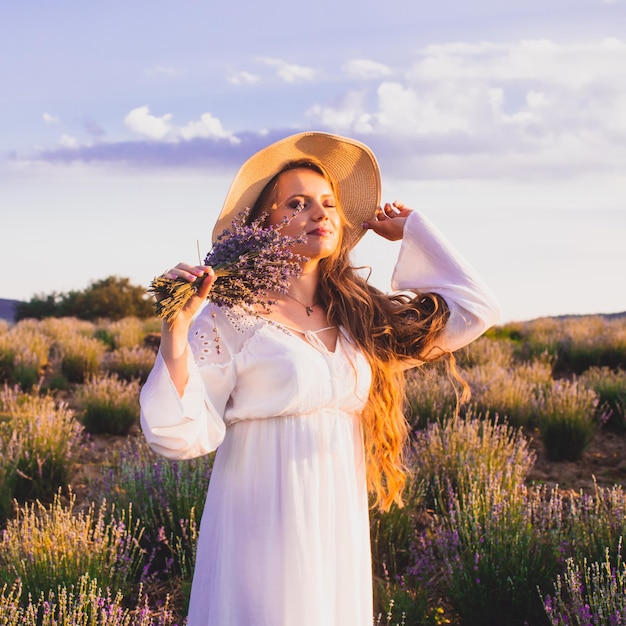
(604, 460)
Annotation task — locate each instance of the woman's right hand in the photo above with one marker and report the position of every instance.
(191, 273)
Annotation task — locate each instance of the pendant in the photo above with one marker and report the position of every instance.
(309, 310)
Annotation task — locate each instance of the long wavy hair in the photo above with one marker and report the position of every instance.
(392, 331)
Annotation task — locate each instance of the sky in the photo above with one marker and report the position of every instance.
(122, 124)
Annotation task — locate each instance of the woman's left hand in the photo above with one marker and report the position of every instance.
(389, 221)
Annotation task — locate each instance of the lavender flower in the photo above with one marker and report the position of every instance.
(248, 259)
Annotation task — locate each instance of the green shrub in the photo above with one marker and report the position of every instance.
(108, 404)
(113, 298)
(47, 547)
(566, 419)
(44, 436)
(610, 387)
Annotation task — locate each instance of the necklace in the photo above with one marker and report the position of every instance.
(307, 308)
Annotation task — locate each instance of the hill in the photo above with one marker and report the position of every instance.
(7, 309)
(607, 316)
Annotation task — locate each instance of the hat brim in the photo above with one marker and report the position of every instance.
(350, 163)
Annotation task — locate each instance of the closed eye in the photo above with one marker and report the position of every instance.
(297, 204)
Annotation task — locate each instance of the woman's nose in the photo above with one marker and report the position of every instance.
(320, 211)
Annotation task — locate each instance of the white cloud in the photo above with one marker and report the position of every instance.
(528, 106)
(541, 60)
(243, 78)
(538, 100)
(50, 119)
(140, 121)
(348, 114)
(407, 111)
(208, 127)
(366, 69)
(536, 107)
(67, 141)
(289, 72)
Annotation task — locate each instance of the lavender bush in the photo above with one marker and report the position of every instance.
(130, 363)
(610, 387)
(397, 593)
(8, 471)
(124, 333)
(42, 437)
(566, 419)
(24, 352)
(593, 341)
(487, 350)
(168, 497)
(44, 547)
(392, 534)
(248, 259)
(509, 390)
(595, 522)
(591, 595)
(576, 343)
(491, 551)
(82, 604)
(467, 453)
(81, 358)
(108, 404)
(429, 396)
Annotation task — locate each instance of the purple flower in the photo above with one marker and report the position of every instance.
(248, 259)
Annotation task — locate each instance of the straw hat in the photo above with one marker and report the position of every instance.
(350, 163)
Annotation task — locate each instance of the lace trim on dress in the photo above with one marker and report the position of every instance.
(243, 320)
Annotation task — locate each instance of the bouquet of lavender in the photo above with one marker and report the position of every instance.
(248, 259)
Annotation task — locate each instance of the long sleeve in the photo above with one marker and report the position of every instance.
(191, 425)
(429, 264)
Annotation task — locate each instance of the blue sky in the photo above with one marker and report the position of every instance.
(505, 123)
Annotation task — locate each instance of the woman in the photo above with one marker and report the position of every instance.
(305, 400)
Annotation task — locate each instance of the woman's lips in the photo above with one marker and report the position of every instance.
(319, 232)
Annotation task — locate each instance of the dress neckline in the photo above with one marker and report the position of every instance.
(309, 337)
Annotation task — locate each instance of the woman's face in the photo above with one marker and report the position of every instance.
(309, 195)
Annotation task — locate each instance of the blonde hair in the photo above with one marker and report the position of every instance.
(390, 331)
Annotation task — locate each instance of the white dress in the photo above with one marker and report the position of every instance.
(284, 538)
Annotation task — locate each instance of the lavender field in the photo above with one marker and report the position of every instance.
(515, 512)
